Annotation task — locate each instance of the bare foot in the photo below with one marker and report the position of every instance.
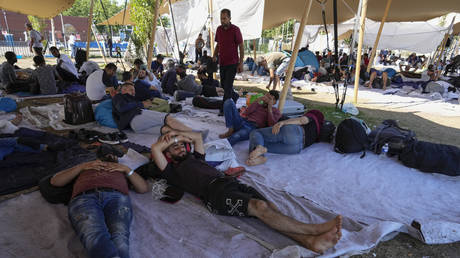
(17, 119)
(259, 150)
(257, 161)
(324, 241)
(227, 134)
(326, 226)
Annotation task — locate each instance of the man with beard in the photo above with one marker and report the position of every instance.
(227, 196)
(259, 114)
(144, 90)
(100, 209)
(100, 81)
(229, 39)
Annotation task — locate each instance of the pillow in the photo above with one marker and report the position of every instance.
(7, 104)
(103, 114)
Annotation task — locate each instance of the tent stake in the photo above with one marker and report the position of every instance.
(376, 43)
(152, 37)
(88, 33)
(287, 81)
(362, 22)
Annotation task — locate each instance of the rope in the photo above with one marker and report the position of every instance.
(323, 12)
(124, 13)
(175, 31)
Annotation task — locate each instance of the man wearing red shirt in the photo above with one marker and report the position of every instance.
(229, 39)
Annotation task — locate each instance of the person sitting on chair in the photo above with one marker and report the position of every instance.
(65, 67)
(227, 196)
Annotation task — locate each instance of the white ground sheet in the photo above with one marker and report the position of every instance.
(376, 197)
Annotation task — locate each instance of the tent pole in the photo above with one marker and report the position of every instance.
(255, 49)
(211, 34)
(99, 45)
(88, 33)
(53, 37)
(355, 28)
(175, 32)
(438, 59)
(287, 81)
(152, 37)
(336, 41)
(362, 22)
(63, 32)
(376, 43)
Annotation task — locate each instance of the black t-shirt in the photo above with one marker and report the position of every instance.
(193, 175)
(310, 133)
(205, 60)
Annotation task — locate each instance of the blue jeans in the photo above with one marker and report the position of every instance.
(260, 70)
(288, 141)
(242, 127)
(101, 221)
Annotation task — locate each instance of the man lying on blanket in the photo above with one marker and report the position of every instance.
(227, 196)
(100, 209)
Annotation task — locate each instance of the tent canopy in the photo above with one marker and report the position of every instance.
(40, 8)
(276, 12)
(456, 29)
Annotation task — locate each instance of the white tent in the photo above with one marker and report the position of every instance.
(420, 37)
(315, 39)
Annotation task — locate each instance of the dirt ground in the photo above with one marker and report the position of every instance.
(428, 127)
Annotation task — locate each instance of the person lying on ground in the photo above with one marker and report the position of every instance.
(386, 75)
(227, 196)
(65, 67)
(10, 81)
(285, 137)
(131, 113)
(100, 209)
(46, 76)
(101, 81)
(412, 62)
(259, 114)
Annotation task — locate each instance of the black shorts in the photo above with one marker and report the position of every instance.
(227, 196)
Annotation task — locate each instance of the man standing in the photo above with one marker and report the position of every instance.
(72, 40)
(228, 38)
(199, 44)
(35, 42)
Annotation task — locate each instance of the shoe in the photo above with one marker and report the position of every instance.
(221, 113)
(109, 139)
(122, 137)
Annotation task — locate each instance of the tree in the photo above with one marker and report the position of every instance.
(38, 24)
(81, 8)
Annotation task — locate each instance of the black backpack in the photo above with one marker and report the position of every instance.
(54, 194)
(351, 136)
(78, 109)
(326, 134)
(390, 132)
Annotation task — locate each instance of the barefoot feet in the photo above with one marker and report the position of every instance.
(325, 241)
(258, 151)
(257, 161)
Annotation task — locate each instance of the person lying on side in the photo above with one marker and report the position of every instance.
(285, 137)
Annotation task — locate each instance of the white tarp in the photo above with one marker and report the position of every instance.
(164, 45)
(420, 37)
(316, 39)
(191, 16)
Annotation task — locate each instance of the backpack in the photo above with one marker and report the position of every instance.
(378, 83)
(208, 103)
(351, 136)
(78, 109)
(390, 132)
(326, 134)
(54, 194)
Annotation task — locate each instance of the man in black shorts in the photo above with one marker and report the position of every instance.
(227, 196)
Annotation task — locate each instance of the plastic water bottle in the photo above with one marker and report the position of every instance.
(384, 151)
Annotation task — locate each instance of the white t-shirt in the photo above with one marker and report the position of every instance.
(89, 67)
(95, 88)
(67, 64)
(72, 39)
(35, 35)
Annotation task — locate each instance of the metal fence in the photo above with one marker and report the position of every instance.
(21, 48)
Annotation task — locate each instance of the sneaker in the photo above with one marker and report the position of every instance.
(109, 139)
(122, 137)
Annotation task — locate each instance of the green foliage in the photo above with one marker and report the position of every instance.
(278, 31)
(38, 24)
(81, 8)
